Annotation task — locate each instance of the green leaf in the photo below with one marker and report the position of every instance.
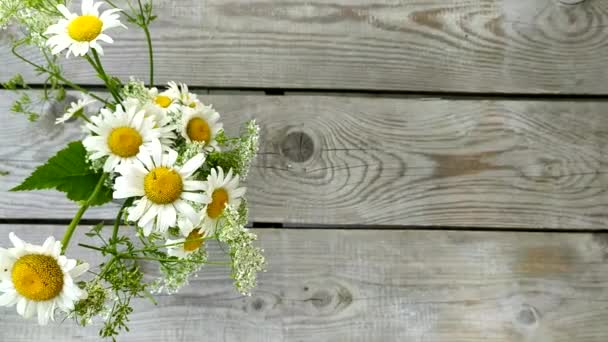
(69, 172)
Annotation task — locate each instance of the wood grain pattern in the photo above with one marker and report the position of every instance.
(378, 286)
(383, 161)
(502, 46)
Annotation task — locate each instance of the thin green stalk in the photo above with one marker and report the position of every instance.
(127, 203)
(144, 26)
(156, 247)
(96, 64)
(92, 247)
(83, 208)
(150, 54)
(56, 75)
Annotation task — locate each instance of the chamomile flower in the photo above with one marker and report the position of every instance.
(161, 104)
(193, 240)
(79, 33)
(220, 191)
(38, 279)
(121, 135)
(161, 120)
(182, 94)
(76, 108)
(165, 190)
(200, 124)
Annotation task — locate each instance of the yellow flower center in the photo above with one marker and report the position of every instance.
(85, 28)
(192, 105)
(37, 277)
(163, 101)
(163, 185)
(194, 240)
(124, 142)
(198, 130)
(219, 198)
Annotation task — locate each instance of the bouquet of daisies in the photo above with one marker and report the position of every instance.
(161, 153)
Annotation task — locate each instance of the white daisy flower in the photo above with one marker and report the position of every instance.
(121, 135)
(38, 279)
(200, 124)
(182, 94)
(193, 240)
(79, 33)
(219, 192)
(161, 104)
(76, 108)
(166, 190)
(161, 120)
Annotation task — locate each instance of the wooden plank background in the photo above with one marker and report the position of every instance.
(381, 161)
(345, 285)
(405, 126)
(501, 46)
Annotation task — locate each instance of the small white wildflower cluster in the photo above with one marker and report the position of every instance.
(34, 16)
(247, 260)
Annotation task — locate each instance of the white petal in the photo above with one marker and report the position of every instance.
(17, 242)
(64, 10)
(79, 270)
(186, 210)
(30, 309)
(150, 214)
(239, 192)
(170, 158)
(136, 212)
(21, 304)
(192, 185)
(70, 264)
(192, 165)
(9, 298)
(44, 313)
(194, 197)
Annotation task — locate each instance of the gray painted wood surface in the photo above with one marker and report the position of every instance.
(370, 286)
(502, 46)
(382, 161)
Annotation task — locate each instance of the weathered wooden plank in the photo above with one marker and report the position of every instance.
(511, 46)
(383, 161)
(380, 286)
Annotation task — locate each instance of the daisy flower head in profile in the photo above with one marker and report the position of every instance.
(79, 33)
(121, 135)
(161, 104)
(220, 191)
(182, 94)
(38, 279)
(200, 124)
(76, 109)
(192, 240)
(164, 189)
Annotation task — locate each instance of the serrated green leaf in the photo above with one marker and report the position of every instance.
(68, 172)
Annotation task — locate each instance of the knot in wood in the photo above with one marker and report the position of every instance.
(527, 315)
(297, 147)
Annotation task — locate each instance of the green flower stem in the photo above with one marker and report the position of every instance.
(56, 75)
(127, 203)
(149, 41)
(96, 64)
(92, 247)
(155, 248)
(83, 208)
